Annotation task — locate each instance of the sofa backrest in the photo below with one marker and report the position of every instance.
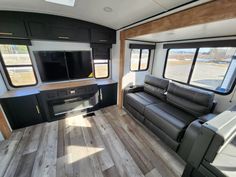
(192, 100)
(156, 86)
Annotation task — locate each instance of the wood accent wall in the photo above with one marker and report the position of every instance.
(4, 128)
(209, 12)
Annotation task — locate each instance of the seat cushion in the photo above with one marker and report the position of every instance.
(169, 119)
(140, 100)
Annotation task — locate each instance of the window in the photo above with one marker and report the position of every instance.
(209, 68)
(101, 69)
(179, 64)
(17, 65)
(139, 59)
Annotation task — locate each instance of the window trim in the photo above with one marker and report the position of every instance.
(140, 57)
(189, 78)
(4, 66)
(108, 72)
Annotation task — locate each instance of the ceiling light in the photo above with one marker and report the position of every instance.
(70, 3)
(107, 9)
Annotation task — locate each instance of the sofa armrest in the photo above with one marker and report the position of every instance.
(187, 143)
(131, 89)
(207, 117)
(134, 88)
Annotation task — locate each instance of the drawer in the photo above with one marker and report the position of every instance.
(62, 93)
(52, 94)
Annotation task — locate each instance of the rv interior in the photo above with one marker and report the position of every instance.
(117, 88)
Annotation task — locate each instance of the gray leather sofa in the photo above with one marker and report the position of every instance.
(167, 108)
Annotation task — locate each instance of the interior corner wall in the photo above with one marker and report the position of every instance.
(1, 137)
(159, 61)
(115, 61)
(130, 77)
(3, 87)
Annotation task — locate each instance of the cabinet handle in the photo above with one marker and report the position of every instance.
(8, 34)
(103, 40)
(37, 108)
(63, 37)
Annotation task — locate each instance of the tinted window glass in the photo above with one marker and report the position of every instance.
(18, 66)
(211, 67)
(179, 63)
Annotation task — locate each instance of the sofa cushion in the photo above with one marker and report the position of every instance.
(169, 119)
(140, 100)
(156, 86)
(162, 135)
(148, 97)
(192, 100)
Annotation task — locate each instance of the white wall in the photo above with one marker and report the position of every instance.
(38, 45)
(159, 61)
(134, 78)
(116, 58)
(1, 137)
(3, 87)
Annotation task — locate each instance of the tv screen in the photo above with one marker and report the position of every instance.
(52, 66)
(59, 66)
(79, 64)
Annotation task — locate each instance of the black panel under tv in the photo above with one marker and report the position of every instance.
(62, 66)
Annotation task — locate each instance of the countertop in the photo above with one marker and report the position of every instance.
(53, 86)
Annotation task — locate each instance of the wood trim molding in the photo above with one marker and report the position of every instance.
(209, 12)
(4, 128)
(205, 13)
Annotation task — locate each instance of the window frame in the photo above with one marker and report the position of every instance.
(191, 72)
(140, 57)
(108, 72)
(4, 66)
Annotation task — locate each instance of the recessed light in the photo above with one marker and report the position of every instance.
(107, 9)
(70, 3)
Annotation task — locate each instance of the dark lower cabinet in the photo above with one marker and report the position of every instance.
(107, 95)
(22, 111)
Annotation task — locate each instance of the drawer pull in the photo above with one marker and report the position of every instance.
(37, 108)
(8, 34)
(63, 37)
(103, 40)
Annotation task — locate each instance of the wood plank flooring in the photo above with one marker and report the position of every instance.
(109, 144)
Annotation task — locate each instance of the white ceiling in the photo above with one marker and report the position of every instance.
(214, 29)
(124, 12)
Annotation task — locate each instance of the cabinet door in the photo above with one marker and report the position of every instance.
(70, 34)
(102, 36)
(12, 28)
(22, 111)
(38, 30)
(108, 95)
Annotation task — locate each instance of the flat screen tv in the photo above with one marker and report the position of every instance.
(60, 66)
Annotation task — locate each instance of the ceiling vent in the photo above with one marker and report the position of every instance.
(70, 3)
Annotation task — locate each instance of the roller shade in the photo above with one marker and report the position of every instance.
(142, 46)
(222, 43)
(101, 51)
(15, 41)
